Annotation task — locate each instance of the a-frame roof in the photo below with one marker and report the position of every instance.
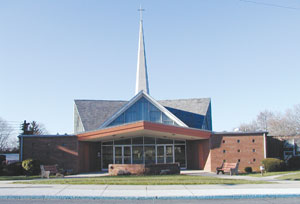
(151, 100)
(93, 113)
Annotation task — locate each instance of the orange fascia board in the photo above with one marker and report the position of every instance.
(202, 134)
(143, 125)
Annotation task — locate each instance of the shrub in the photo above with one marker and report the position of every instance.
(13, 169)
(294, 163)
(248, 169)
(31, 167)
(272, 164)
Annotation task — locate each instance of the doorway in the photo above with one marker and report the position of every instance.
(122, 154)
(165, 154)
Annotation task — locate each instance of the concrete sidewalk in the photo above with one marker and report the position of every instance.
(18, 191)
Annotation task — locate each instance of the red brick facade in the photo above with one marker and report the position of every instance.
(61, 150)
(246, 148)
(207, 154)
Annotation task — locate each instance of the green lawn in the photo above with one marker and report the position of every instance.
(144, 180)
(268, 173)
(293, 177)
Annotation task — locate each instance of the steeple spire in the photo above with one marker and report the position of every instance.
(141, 74)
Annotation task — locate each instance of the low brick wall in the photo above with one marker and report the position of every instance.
(126, 169)
(141, 169)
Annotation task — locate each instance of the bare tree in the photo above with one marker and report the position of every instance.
(5, 133)
(264, 119)
(250, 127)
(277, 124)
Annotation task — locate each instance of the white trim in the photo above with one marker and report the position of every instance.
(21, 150)
(151, 100)
(83, 128)
(265, 143)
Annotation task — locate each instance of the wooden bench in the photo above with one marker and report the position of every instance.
(46, 170)
(231, 168)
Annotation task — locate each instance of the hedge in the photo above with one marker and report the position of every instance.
(272, 164)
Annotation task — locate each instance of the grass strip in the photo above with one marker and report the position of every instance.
(143, 180)
(256, 174)
(292, 177)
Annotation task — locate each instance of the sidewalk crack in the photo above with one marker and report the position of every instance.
(62, 189)
(104, 190)
(189, 190)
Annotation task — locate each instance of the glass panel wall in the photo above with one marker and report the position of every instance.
(149, 154)
(143, 110)
(127, 154)
(143, 150)
(118, 155)
(137, 155)
(160, 154)
(169, 154)
(180, 155)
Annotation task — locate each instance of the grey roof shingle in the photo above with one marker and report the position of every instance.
(94, 112)
(194, 105)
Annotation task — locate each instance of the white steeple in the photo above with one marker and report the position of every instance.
(141, 73)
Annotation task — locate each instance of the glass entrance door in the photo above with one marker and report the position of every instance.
(160, 154)
(169, 153)
(122, 154)
(118, 155)
(126, 154)
(164, 154)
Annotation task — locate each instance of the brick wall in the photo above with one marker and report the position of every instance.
(247, 148)
(140, 169)
(197, 154)
(61, 150)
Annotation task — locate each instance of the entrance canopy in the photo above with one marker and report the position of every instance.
(144, 128)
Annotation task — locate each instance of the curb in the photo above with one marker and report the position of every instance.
(217, 197)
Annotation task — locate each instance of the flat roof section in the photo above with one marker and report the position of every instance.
(144, 128)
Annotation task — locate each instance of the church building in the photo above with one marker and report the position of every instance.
(144, 130)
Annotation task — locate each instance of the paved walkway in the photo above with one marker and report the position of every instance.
(276, 189)
(148, 191)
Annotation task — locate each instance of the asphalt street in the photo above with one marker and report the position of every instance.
(217, 201)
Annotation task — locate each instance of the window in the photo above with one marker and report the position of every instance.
(143, 110)
(163, 141)
(254, 160)
(253, 150)
(238, 141)
(253, 140)
(239, 160)
(107, 143)
(238, 150)
(180, 155)
(137, 140)
(123, 142)
(223, 141)
(224, 151)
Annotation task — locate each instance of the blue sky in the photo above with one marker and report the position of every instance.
(244, 56)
